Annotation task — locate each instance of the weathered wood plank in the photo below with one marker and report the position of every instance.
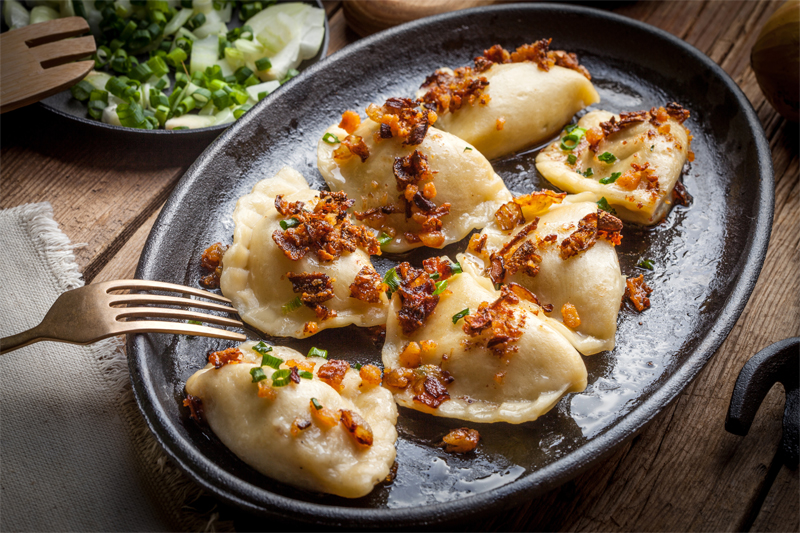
(780, 510)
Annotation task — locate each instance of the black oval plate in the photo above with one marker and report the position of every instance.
(65, 105)
(707, 259)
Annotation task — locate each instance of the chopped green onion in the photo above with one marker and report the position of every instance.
(96, 108)
(603, 204)
(196, 21)
(588, 172)
(461, 314)
(455, 268)
(570, 128)
(176, 57)
(607, 157)
(239, 111)
(383, 238)
(242, 73)
(357, 366)
(97, 94)
(291, 223)
(131, 115)
(258, 374)
(330, 138)
(467, 148)
(611, 179)
(160, 84)
(652, 146)
(440, 287)
(249, 9)
(262, 348)
(141, 72)
(202, 96)
(294, 305)
(82, 90)
(221, 99)
(572, 159)
(289, 75)
(281, 378)
(645, 263)
(159, 68)
(573, 137)
(435, 275)
(162, 113)
(316, 352)
(263, 64)
(392, 280)
(271, 361)
(305, 374)
(316, 404)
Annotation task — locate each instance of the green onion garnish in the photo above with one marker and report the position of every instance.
(573, 137)
(455, 268)
(262, 348)
(435, 275)
(611, 179)
(263, 64)
(392, 280)
(292, 222)
(588, 172)
(316, 404)
(281, 378)
(603, 204)
(262, 95)
(294, 305)
(271, 361)
(440, 287)
(461, 314)
(607, 157)
(357, 366)
(82, 90)
(571, 127)
(572, 159)
(316, 352)
(305, 374)
(467, 148)
(652, 146)
(258, 374)
(330, 138)
(645, 263)
(289, 75)
(383, 238)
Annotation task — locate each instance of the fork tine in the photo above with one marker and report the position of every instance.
(142, 326)
(133, 312)
(143, 284)
(52, 30)
(60, 52)
(167, 300)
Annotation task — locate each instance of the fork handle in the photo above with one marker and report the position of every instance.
(8, 344)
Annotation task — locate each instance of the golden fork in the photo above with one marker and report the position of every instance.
(87, 314)
(34, 65)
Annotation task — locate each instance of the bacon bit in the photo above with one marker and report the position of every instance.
(404, 118)
(570, 316)
(350, 121)
(676, 111)
(427, 347)
(581, 239)
(294, 375)
(416, 297)
(310, 328)
(212, 260)
(299, 424)
(367, 286)
(398, 378)
(370, 374)
(593, 137)
(523, 293)
(410, 356)
(631, 179)
(625, 120)
(499, 316)
(265, 391)
(408, 172)
(547, 308)
(680, 196)
(664, 129)
(351, 145)
(500, 123)
(357, 426)
(411, 170)
(195, 406)
(498, 260)
(509, 216)
(434, 265)
(314, 289)
(477, 243)
(326, 230)
(306, 366)
(430, 386)
(524, 258)
(333, 373)
(462, 440)
(540, 200)
(429, 190)
(657, 117)
(377, 215)
(637, 291)
(231, 356)
(449, 92)
(325, 417)
(690, 156)
(538, 52)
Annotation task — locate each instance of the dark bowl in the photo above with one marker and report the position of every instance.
(707, 259)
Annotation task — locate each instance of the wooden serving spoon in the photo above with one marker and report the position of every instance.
(36, 60)
(366, 17)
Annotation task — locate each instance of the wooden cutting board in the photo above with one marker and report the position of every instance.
(366, 17)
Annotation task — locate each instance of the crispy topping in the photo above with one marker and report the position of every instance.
(449, 92)
(370, 374)
(656, 116)
(326, 230)
(310, 328)
(437, 265)
(314, 289)
(195, 406)
(300, 423)
(509, 216)
(498, 260)
(305, 365)
(410, 356)
(631, 179)
(461, 440)
(594, 225)
(540, 200)
(477, 243)
(637, 291)
(377, 215)
(625, 120)
(325, 417)
(570, 316)
(351, 145)
(538, 52)
(409, 172)
(367, 286)
(350, 121)
(398, 378)
(333, 373)
(416, 297)
(680, 196)
(212, 260)
(266, 391)
(357, 426)
(525, 259)
(499, 319)
(404, 118)
(294, 375)
(500, 123)
(430, 386)
(231, 356)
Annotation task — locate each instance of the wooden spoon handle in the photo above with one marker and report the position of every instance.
(366, 17)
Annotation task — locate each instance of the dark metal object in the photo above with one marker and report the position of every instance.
(779, 362)
(710, 256)
(64, 105)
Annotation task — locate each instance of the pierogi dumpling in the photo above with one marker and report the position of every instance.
(343, 444)
(582, 272)
(510, 101)
(296, 298)
(504, 362)
(633, 160)
(429, 193)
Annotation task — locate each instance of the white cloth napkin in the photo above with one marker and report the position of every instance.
(75, 454)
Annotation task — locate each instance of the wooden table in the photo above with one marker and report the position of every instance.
(683, 472)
